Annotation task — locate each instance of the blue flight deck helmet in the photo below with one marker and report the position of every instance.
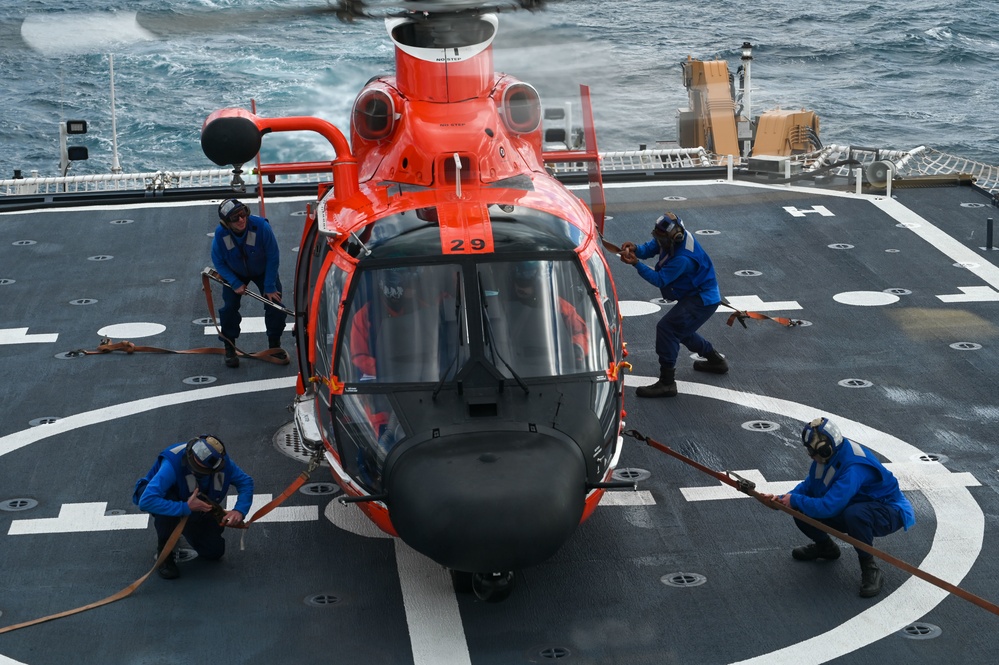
(205, 454)
(229, 208)
(822, 438)
(669, 227)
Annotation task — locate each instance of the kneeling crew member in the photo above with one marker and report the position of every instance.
(183, 476)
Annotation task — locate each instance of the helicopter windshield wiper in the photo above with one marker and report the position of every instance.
(491, 339)
(461, 336)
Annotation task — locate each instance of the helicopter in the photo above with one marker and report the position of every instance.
(457, 328)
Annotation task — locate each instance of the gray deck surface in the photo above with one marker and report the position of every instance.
(887, 288)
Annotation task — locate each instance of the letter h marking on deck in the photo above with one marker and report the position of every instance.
(795, 212)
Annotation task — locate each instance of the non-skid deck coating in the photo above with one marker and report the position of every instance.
(900, 346)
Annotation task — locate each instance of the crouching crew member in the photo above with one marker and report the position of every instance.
(193, 479)
(848, 489)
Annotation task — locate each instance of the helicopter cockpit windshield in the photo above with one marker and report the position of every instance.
(539, 319)
(405, 325)
(417, 323)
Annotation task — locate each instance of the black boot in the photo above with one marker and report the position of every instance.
(664, 387)
(231, 359)
(827, 549)
(871, 578)
(714, 363)
(168, 569)
(275, 343)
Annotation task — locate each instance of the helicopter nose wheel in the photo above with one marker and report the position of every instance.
(493, 587)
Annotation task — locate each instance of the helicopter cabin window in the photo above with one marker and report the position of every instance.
(404, 324)
(539, 319)
(367, 429)
(605, 294)
(329, 306)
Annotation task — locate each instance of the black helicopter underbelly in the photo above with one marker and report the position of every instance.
(496, 479)
(488, 501)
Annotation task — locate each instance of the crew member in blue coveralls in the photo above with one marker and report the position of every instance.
(245, 250)
(683, 272)
(193, 479)
(848, 489)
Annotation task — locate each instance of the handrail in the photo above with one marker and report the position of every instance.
(920, 161)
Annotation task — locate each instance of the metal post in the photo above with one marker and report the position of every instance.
(63, 150)
(988, 234)
(747, 92)
(115, 165)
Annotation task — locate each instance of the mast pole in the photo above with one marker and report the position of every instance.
(115, 166)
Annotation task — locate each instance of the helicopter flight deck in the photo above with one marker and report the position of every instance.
(467, 349)
(686, 560)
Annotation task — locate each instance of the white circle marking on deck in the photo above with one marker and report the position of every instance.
(637, 307)
(131, 330)
(865, 298)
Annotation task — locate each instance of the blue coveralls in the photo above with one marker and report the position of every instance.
(253, 257)
(683, 273)
(853, 493)
(165, 497)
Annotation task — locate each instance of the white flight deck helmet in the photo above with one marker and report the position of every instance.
(228, 209)
(822, 438)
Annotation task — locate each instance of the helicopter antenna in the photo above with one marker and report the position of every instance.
(457, 175)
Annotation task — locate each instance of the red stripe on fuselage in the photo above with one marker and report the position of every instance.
(465, 228)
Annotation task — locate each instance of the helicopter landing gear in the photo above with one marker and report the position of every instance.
(493, 587)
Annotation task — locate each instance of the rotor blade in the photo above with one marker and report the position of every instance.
(60, 33)
(350, 9)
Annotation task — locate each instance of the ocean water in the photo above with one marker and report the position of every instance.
(884, 74)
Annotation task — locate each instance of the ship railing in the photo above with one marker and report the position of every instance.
(920, 161)
(628, 160)
(113, 182)
(643, 160)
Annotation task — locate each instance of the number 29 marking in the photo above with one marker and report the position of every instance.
(474, 245)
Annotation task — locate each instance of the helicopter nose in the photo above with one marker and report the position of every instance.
(487, 502)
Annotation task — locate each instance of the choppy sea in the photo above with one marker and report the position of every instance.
(883, 74)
